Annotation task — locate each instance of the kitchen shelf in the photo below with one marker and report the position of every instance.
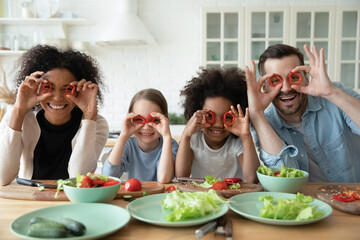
(43, 21)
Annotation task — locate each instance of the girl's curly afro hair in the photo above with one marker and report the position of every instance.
(45, 58)
(229, 83)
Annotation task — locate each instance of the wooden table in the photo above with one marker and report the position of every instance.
(337, 226)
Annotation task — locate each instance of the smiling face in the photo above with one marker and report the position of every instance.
(57, 107)
(147, 136)
(216, 135)
(289, 103)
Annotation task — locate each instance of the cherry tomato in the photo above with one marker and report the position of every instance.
(170, 189)
(219, 186)
(343, 197)
(232, 180)
(132, 185)
(276, 173)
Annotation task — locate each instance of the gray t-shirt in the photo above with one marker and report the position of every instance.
(138, 164)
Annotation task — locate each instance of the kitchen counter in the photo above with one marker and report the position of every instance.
(337, 226)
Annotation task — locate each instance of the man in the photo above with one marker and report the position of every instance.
(311, 125)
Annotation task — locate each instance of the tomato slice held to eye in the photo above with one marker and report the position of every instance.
(132, 185)
(219, 186)
(343, 197)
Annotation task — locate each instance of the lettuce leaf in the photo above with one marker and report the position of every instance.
(289, 209)
(191, 204)
(209, 181)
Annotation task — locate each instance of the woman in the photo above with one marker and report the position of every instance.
(53, 130)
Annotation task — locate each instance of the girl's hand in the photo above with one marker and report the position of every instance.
(27, 95)
(320, 84)
(258, 100)
(163, 126)
(129, 127)
(86, 98)
(196, 122)
(241, 125)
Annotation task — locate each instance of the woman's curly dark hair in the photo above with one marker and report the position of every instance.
(229, 83)
(45, 58)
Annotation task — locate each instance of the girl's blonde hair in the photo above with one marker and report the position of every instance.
(152, 95)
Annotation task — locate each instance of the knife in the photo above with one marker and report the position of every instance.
(33, 183)
(190, 179)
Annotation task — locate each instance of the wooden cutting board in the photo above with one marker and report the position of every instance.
(228, 193)
(325, 193)
(17, 191)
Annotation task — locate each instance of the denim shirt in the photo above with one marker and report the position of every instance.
(334, 140)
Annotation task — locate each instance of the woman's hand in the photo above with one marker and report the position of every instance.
(86, 98)
(163, 126)
(27, 95)
(241, 125)
(195, 123)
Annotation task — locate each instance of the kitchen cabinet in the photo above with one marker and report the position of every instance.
(57, 27)
(233, 36)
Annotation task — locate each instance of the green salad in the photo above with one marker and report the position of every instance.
(289, 209)
(285, 172)
(191, 204)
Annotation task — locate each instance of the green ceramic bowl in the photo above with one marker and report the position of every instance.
(281, 184)
(91, 195)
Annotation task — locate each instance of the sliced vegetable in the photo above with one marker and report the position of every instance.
(285, 172)
(232, 180)
(343, 197)
(356, 195)
(219, 186)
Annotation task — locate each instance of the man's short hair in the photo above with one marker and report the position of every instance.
(278, 51)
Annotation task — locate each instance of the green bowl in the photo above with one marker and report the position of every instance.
(282, 184)
(91, 195)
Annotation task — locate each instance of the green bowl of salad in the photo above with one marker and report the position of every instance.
(287, 180)
(91, 188)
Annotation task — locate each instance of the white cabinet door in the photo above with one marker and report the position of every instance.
(348, 47)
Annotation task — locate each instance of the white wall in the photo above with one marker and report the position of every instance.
(176, 24)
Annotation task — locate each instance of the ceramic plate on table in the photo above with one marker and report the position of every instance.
(99, 219)
(149, 209)
(248, 205)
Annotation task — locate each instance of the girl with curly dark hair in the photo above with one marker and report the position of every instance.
(217, 140)
(54, 129)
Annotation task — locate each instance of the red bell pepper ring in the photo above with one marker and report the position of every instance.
(229, 118)
(232, 180)
(70, 89)
(275, 80)
(343, 197)
(210, 117)
(170, 189)
(294, 78)
(141, 120)
(45, 87)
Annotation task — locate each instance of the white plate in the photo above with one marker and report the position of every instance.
(248, 205)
